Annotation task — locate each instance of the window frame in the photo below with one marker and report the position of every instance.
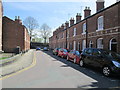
(100, 23)
(84, 28)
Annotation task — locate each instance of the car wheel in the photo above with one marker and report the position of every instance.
(67, 58)
(106, 71)
(74, 60)
(81, 63)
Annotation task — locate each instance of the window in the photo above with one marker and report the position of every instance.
(100, 43)
(67, 33)
(113, 45)
(74, 48)
(83, 44)
(63, 35)
(78, 45)
(74, 32)
(84, 28)
(90, 44)
(100, 23)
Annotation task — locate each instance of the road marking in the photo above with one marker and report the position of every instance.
(32, 65)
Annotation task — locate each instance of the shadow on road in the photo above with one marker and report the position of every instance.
(102, 81)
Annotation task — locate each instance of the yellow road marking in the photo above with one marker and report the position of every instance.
(32, 65)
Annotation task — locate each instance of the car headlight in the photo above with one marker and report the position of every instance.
(117, 64)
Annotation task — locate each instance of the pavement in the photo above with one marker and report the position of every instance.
(6, 55)
(22, 62)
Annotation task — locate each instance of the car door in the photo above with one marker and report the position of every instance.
(88, 57)
(98, 59)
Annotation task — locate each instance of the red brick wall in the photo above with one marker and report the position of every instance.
(111, 28)
(13, 36)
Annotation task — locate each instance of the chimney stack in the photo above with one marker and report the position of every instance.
(67, 24)
(62, 27)
(78, 17)
(17, 19)
(72, 21)
(117, 0)
(99, 5)
(87, 12)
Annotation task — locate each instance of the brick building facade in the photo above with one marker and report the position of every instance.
(1, 11)
(15, 35)
(100, 30)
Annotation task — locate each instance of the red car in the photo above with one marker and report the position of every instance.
(74, 56)
(63, 53)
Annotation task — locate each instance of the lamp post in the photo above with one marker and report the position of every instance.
(86, 33)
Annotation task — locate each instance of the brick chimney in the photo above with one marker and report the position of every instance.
(78, 17)
(99, 5)
(87, 12)
(72, 21)
(67, 24)
(18, 20)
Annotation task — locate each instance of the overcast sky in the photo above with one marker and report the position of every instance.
(52, 12)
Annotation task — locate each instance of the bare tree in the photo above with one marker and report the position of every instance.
(45, 32)
(31, 23)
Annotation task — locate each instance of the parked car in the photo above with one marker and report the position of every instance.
(55, 51)
(38, 48)
(62, 53)
(107, 60)
(74, 56)
(45, 49)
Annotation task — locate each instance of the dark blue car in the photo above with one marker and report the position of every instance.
(38, 48)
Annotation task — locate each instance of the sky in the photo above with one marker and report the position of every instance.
(52, 12)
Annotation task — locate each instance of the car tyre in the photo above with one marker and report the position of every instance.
(81, 63)
(106, 71)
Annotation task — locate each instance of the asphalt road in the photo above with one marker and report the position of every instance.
(54, 72)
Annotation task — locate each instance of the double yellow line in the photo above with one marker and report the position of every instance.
(32, 65)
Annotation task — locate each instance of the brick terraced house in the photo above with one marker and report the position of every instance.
(100, 30)
(15, 35)
(1, 13)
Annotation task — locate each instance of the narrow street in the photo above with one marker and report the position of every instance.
(54, 72)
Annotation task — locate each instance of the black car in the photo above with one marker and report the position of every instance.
(107, 60)
(55, 51)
